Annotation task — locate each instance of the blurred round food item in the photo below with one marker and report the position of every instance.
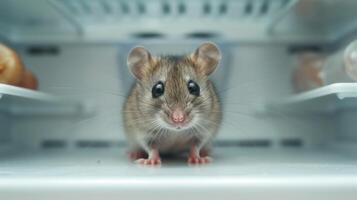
(315, 70)
(11, 67)
(350, 59)
(307, 74)
(29, 81)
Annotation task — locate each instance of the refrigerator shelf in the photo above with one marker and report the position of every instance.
(256, 173)
(327, 99)
(19, 101)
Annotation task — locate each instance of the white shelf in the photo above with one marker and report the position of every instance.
(257, 173)
(19, 101)
(327, 99)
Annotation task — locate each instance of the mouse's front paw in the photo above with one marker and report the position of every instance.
(143, 161)
(194, 160)
(135, 155)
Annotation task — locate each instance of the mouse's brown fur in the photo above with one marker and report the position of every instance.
(147, 119)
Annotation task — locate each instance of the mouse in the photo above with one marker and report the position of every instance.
(173, 106)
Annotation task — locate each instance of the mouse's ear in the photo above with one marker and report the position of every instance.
(139, 61)
(207, 57)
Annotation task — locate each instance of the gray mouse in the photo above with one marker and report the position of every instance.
(173, 106)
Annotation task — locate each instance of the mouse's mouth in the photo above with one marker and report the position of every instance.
(181, 125)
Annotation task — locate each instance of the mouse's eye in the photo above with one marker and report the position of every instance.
(158, 89)
(193, 88)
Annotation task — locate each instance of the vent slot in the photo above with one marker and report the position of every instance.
(125, 8)
(181, 8)
(53, 144)
(202, 35)
(222, 9)
(141, 8)
(184, 8)
(265, 143)
(42, 50)
(207, 8)
(94, 144)
(106, 7)
(264, 8)
(166, 9)
(148, 35)
(248, 8)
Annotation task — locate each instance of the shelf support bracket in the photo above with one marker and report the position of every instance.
(69, 17)
(280, 16)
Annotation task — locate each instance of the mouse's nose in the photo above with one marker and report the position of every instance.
(178, 116)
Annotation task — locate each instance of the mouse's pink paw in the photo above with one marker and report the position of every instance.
(143, 161)
(134, 155)
(199, 160)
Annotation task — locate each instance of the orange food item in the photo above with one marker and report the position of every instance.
(307, 75)
(12, 70)
(29, 81)
(11, 67)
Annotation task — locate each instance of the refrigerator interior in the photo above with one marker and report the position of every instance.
(68, 137)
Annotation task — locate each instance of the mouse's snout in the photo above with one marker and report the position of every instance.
(178, 116)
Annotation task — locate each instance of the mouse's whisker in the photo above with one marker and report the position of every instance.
(223, 123)
(139, 112)
(205, 130)
(244, 81)
(210, 121)
(238, 112)
(102, 115)
(161, 134)
(142, 121)
(153, 132)
(197, 131)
